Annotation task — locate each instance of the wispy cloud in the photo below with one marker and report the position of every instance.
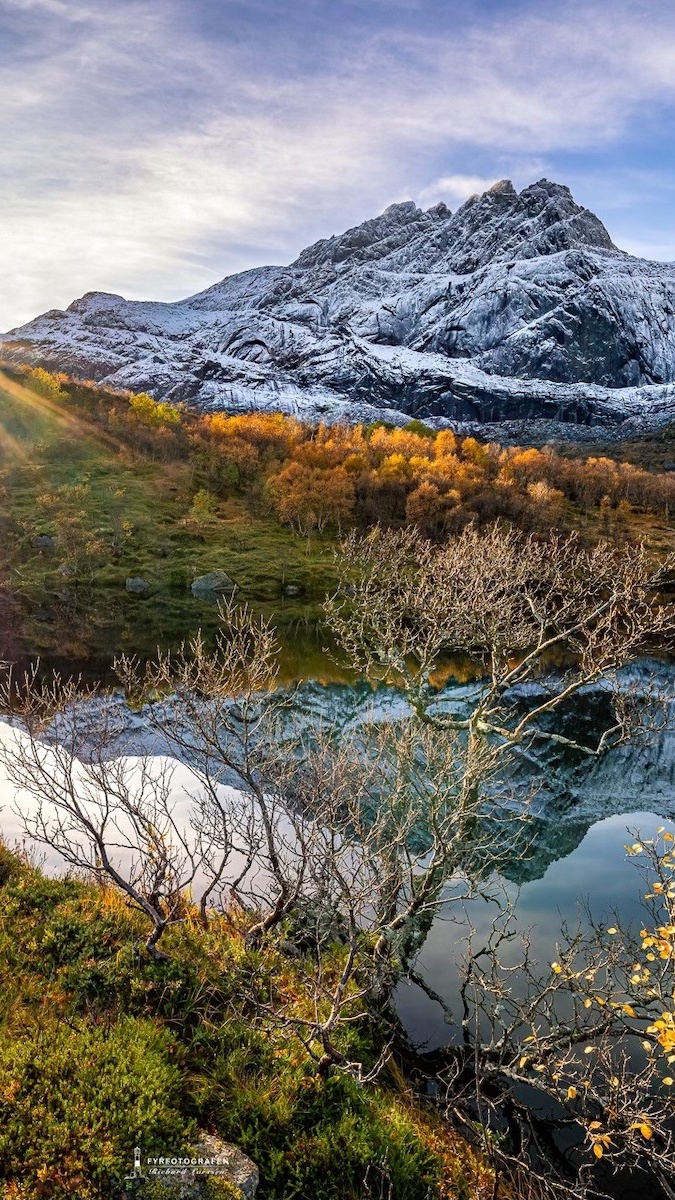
(453, 189)
(147, 146)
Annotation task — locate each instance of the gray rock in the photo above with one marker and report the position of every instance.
(46, 615)
(225, 1163)
(44, 541)
(136, 586)
(213, 584)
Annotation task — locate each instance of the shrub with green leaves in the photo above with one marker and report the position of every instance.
(76, 1098)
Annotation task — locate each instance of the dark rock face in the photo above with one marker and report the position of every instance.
(517, 307)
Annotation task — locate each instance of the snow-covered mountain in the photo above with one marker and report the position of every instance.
(516, 312)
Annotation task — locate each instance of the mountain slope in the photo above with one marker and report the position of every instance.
(517, 307)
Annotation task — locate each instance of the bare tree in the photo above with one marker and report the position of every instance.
(113, 818)
(351, 843)
(518, 606)
(563, 1071)
(348, 836)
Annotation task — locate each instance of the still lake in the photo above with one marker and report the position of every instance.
(582, 819)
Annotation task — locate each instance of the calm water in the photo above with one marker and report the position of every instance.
(597, 876)
(579, 855)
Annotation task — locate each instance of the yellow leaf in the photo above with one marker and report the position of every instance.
(668, 1081)
(597, 1150)
(571, 1093)
(629, 1010)
(612, 929)
(587, 1003)
(556, 968)
(646, 1131)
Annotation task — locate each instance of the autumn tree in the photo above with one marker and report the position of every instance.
(428, 508)
(312, 498)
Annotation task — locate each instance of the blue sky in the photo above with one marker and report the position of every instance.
(150, 147)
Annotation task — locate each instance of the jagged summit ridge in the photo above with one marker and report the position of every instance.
(517, 306)
(542, 219)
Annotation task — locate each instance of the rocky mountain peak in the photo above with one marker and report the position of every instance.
(503, 187)
(516, 307)
(501, 223)
(373, 239)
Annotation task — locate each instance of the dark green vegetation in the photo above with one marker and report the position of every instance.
(102, 1050)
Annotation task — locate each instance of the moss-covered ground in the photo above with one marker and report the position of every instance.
(102, 1050)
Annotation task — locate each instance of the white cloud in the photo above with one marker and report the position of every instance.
(137, 156)
(453, 189)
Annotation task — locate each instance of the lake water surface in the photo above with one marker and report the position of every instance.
(577, 855)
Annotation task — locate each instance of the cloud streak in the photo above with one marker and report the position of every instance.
(149, 147)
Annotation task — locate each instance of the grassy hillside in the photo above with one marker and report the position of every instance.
(81, 512)
(102, 1050)
(99, 487)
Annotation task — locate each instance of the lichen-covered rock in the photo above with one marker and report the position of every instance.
(44, 541)
(136, 586)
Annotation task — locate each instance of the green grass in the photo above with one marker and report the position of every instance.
(73, 482)
(102, 1049)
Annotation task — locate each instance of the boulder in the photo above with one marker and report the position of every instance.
(213, 584)
(136, 586)
(224, 1171)
(45, 614)
(44, 541)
